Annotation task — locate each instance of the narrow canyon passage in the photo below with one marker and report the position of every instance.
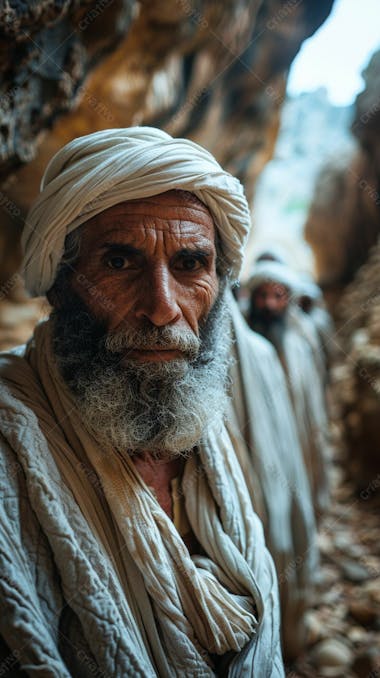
(192, 188)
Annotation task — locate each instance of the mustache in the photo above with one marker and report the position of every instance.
(267, 314)
(150, 338)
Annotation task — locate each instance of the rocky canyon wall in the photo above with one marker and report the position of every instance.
(208, 70)
(343, 223)
(343, 228)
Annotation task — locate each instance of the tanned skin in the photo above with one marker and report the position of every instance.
(151, 259)
(271, 296)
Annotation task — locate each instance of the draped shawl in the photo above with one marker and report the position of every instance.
(90, 539)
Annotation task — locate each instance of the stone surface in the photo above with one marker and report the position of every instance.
(331, 652)
(354, 571)
(315, 629)
(357, 382)
(343, 228)
(343, 222)
(373, 590)
(363, 612)
(47, 49)
(367, 663)
(214, 72)
(340, 644)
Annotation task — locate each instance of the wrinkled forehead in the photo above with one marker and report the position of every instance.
(173, 211)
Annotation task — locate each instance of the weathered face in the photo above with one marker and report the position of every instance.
(152, 260)
(140, 329)
(271, 298)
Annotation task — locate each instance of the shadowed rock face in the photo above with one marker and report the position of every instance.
(343, 223)
(343, 229)
(208, 70)
(47, 47)
(357, 378)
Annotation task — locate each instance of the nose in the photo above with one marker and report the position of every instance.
(158, 298)
(271, 303)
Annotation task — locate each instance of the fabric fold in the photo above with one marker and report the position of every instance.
(97, 171)
(99, 517)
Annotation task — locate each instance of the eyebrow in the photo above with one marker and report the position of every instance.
(194, 250)
(129, 249)
(120, 247)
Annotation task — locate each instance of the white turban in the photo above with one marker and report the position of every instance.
(308, 288)
(100, 170)
(273, 272)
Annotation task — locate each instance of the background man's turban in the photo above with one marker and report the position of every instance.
(99, 170)
(273, 272)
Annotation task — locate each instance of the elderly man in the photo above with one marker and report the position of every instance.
(273, 314)
(310, 300)
(261, 421)
(128, 543)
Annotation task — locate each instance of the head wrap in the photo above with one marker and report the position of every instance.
(273, 272)
(97, 171)
(308, 288)
(272, 253)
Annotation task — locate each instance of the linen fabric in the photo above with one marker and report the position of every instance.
(97, 171)
(304, 362)
(308, 288)
(272, 271)
(262, 423)
(302, 357)
(101, 548)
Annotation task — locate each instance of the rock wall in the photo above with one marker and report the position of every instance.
(208, 70)
(343, 228)
(343, 223)
(47, 48)
(357, 377)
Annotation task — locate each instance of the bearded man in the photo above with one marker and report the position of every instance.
(261, 422)
(128, 543)
(273, 313)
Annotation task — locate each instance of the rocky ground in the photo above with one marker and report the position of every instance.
(344, 624)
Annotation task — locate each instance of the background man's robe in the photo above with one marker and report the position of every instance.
(305, 367)
(266, 441)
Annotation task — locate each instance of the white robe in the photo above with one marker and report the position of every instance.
(306, 374)
(269, 451)
(302, 357)
(95, 576)
(323, 324)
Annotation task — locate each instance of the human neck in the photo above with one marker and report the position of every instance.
(157, 473)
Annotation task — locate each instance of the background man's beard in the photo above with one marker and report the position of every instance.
(162, 407)
(271, 325)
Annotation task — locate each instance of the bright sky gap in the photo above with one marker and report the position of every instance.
(336, 54)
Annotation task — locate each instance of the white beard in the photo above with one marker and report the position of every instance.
(165, 407)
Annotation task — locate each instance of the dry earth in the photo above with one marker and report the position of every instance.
(344, 624)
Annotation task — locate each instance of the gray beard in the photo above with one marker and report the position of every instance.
(165, 408)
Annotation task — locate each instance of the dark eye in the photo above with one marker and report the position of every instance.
(189, 263)
(117, 262)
